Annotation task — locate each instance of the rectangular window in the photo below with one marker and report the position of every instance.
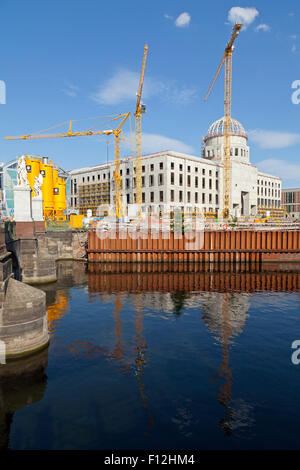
(189, 169)
(127, 183)
(188, 196)
(151, 180)
(180, 196)
(203, 183)
(152, 197)
(196, 181)
(180, 179)
(180, 167)
(143, 197)
(203, 198)
(172, 178)
(172, 165)
(152, 167)
(210, 183)
(143, 181)
(143, 169)
(160, 179)
(189, 180)
(172, 195)
(127, 171)
(161, 165)
(161, 196)
(196, 198)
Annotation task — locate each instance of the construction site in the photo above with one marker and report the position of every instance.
(149, 255)
(220, 190)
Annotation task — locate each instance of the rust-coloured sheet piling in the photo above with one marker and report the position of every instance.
(220, 246)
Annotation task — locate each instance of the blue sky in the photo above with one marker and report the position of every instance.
(73, 60)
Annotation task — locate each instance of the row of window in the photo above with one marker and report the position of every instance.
(291, 197)
(233, 151)
(268, 203)
(268, 192)
(160, 197)
(268, 183)
(160, 181)
(87, 179)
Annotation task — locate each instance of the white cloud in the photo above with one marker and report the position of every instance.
(183, 20)
(294, 48)
(263, 27)
(293, 36)
(179, 95)
(71, 90)
(123, 85)
(152, 143)
(242, 15)
(168, 16)
(282, 168)
(273, 139)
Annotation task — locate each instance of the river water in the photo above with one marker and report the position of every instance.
(169, 358)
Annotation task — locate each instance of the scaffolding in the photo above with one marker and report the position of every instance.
(278, 212)
(93, 195)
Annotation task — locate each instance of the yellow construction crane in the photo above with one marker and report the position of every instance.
(139, 110)
(92, 131)
(227, 58)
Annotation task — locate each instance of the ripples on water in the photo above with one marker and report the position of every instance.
(172, 359)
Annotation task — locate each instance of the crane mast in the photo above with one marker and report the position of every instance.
(227, 58)
(139, 110)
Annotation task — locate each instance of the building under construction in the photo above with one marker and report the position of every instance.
(170, 179)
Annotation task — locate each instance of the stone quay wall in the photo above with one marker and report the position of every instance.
(23, 316)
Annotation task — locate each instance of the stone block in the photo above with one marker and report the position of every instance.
(22, 204)
(24, 229)
(37, 208)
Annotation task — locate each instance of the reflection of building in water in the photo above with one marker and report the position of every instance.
(22, 383)
(225, 315)
(236, 304)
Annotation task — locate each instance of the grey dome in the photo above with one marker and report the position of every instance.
(217, 129)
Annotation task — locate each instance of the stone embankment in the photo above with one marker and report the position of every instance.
(23, 316)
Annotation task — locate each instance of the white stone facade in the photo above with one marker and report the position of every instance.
(191, 182)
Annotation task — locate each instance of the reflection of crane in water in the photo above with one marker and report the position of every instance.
(140, 359)
(119, 352)
(225, 392)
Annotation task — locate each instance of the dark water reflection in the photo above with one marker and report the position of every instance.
(157, 357)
